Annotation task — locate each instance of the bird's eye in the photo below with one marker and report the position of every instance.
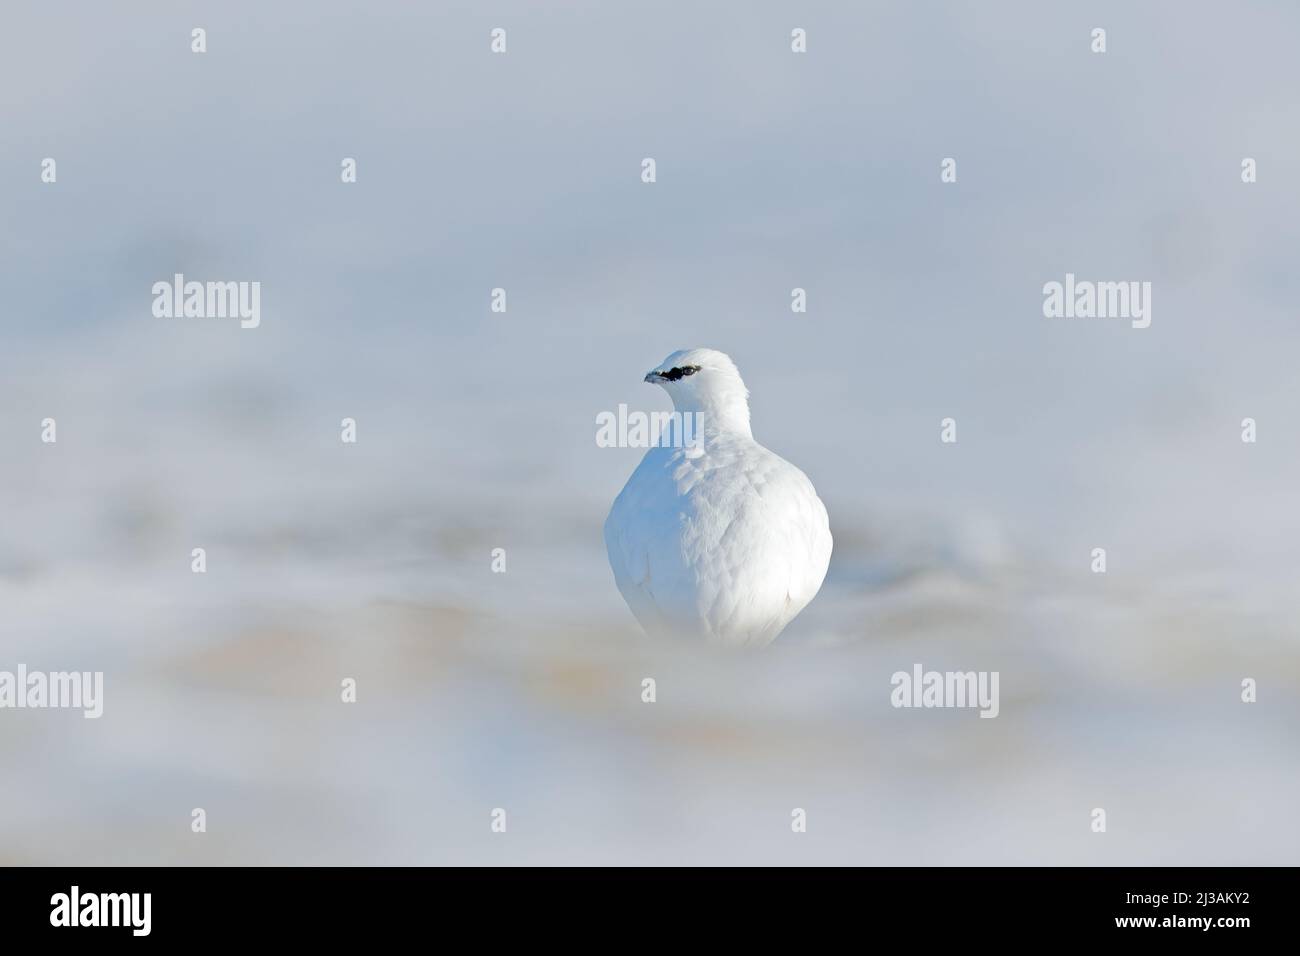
(677, 372)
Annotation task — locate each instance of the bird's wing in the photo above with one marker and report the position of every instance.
(798, 529)
(760, 545)
(637, 532)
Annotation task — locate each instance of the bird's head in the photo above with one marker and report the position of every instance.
(705, 381)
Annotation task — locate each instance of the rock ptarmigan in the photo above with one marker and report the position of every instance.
(717, 538)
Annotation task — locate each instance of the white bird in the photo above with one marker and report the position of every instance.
(718, 538)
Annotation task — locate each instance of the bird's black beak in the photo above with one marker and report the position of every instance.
(653, 378)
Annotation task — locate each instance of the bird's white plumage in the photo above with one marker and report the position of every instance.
(726, 540)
